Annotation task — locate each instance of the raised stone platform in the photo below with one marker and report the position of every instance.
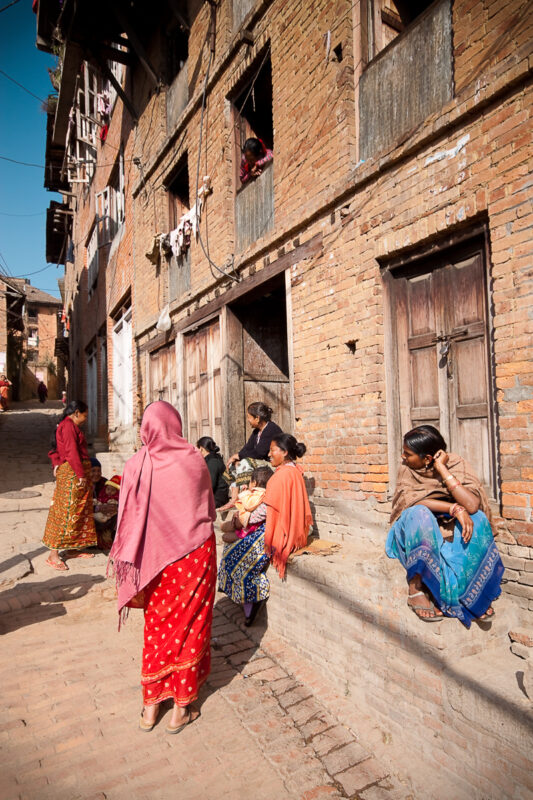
(446, 704)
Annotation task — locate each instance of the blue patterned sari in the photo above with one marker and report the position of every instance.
(463, 579)
(241, 574)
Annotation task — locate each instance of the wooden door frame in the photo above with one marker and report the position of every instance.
(413, 259)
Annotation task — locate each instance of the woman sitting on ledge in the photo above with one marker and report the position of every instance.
(457, 574)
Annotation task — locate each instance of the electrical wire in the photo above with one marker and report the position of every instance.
(7, 214)
(37, 271)
(13, 3)
(233, 277)
(21, 86)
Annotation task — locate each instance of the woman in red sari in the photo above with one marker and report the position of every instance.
(164, 557)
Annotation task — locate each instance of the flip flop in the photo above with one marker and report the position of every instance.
(486, 616)
(81, 555)
(433, 618)
(146, 726)
(59, 565)
(179, 728)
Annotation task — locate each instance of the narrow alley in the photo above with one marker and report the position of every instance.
(71, 683)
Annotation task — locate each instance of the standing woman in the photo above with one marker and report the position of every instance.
(164, 556)
(70, 523)
(215, 464)
(441, 533)
(4, 392)
(289, 516)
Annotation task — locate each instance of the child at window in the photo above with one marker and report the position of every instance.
(255, 157)
(251, 510)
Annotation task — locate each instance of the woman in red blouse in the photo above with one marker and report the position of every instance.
(70, 523)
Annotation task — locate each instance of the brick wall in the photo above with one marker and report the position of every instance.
(466, 164)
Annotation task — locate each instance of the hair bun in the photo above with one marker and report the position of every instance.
(300, 449)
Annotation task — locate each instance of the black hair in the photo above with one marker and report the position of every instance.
(424, 440)
(288, 443)
(208, 444)
(254, 146)
(260, 410)
(261, 476)
(71, 408)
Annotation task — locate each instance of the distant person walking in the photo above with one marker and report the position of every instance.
(164, 558)
(70, 523)
(4, 392)
(42, 391)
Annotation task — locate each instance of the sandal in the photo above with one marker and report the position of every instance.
(192, 716)
(79, 555)
(146, 726)
(59, 565)
(486, 616)
(433, 616)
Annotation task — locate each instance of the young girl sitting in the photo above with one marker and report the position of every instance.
(251, 510)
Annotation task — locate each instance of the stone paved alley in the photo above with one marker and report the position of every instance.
(71, 694)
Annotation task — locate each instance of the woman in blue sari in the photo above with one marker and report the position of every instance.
(441, 533)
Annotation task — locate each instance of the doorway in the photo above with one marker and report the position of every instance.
(259, 335)
(440, 364)
(163, 384)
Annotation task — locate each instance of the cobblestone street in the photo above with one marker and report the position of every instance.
(71, 683)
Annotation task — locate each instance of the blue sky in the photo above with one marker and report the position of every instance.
(23, 137)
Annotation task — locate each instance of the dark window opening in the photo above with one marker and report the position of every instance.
(253, 108)
(178, 193)
(387, 19)
(177, 51)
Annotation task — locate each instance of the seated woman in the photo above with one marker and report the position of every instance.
(251, 509)
(458, 573)
(215, 464)
(255, 452)
(242, 571)
(255, 157)
(289, 518)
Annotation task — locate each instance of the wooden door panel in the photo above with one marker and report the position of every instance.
(465, 280)
(424, 386)
(202, 383)
(420, 305)
(472, 439)
(469, 371)
(275, 394)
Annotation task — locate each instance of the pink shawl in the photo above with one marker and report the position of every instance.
(166, 506)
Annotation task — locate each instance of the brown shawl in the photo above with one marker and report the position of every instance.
(413, 486)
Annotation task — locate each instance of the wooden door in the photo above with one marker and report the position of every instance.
(442, 366)
(202, 353)
(163, 385)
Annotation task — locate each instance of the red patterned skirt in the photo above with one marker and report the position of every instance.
(70, 523)
(178, 611)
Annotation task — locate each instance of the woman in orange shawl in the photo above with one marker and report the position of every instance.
(289, 514)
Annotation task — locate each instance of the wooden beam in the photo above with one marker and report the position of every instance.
(114, 54)
(102, 63)
(306, 250)
(179, 16)
(135, 42)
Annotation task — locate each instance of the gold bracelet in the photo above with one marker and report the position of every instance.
(450, 477)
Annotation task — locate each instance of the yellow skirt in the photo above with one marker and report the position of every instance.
(70, 523)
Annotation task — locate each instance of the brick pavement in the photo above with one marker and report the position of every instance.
(72, 696)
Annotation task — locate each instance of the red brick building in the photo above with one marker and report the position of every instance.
(376, 275)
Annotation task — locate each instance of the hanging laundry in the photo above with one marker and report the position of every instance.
(104, 130)
(155, 253)
(103, 103)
